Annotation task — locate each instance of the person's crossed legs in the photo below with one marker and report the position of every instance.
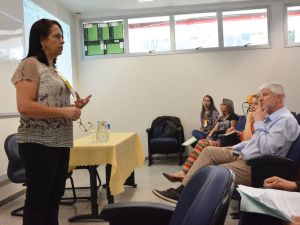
(211, 156)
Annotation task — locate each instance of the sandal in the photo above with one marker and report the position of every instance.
(172, 178)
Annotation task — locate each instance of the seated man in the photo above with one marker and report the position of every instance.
(275, 129)
(262, 219)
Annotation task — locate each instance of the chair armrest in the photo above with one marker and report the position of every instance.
(137, 213)
(180, 137)
(179, 133)
(149, 133)
(268, 166)
(269, 160)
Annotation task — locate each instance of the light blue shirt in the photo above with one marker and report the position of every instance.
(273, 136)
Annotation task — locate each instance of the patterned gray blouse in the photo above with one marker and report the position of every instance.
(53, 132)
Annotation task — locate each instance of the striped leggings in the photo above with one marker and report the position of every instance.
(201, 144)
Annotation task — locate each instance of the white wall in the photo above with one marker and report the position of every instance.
(8, 126)
(130, 92)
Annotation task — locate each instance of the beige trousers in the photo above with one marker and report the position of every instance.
(224, 157)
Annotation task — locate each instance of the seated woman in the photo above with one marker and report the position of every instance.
(248, 130)
(226, 121)
(208, 118)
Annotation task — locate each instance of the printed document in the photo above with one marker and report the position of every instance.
(281, 204)
(189, 141)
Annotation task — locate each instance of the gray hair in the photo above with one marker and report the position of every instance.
(276, 88)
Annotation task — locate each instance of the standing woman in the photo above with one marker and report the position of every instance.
(208, 118)
(45, 133)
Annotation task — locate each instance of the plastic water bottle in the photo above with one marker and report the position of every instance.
(108, 126)
(102, 134)
(108, 129)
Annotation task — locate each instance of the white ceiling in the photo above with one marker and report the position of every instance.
(89, 6)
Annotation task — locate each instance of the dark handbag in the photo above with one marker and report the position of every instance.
(229, 139)
(216, 135)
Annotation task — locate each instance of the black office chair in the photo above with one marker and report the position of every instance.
(204, 200)
(165, 136)
(15, 169)
(267, 166)
(74, 198)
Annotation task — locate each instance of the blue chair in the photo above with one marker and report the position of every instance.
(165, 137)
(298, 118)
(204, 200)
(240, 126)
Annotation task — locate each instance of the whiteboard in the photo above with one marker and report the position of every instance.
(32, 13)
(14, 38)
(11, 52)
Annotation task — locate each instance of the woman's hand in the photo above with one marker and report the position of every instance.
(296, 220)
(230, 129)
(279, 183)
(81, 102)
(250, 117)
(72, 113)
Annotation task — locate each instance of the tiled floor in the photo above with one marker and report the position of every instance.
(147, 178)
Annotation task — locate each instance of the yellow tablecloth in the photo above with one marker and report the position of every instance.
(123, 151)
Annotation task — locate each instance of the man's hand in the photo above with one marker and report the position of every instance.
(259, 114)
(81, 102)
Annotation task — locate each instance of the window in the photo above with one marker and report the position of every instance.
(101, 38)
(11, 33)
(150, 34)
(193, 31)
(245, 27)
(293, 21)
(183, 32)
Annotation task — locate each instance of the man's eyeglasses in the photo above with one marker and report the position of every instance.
(86, 127)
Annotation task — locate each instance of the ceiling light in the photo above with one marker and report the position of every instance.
(141, 1)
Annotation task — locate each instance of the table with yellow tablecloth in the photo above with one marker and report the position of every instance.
(123, 152)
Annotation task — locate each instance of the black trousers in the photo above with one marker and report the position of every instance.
(46, 173)
(258, 219)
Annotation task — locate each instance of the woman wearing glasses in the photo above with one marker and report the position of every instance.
(45, 133)
(227, 121)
